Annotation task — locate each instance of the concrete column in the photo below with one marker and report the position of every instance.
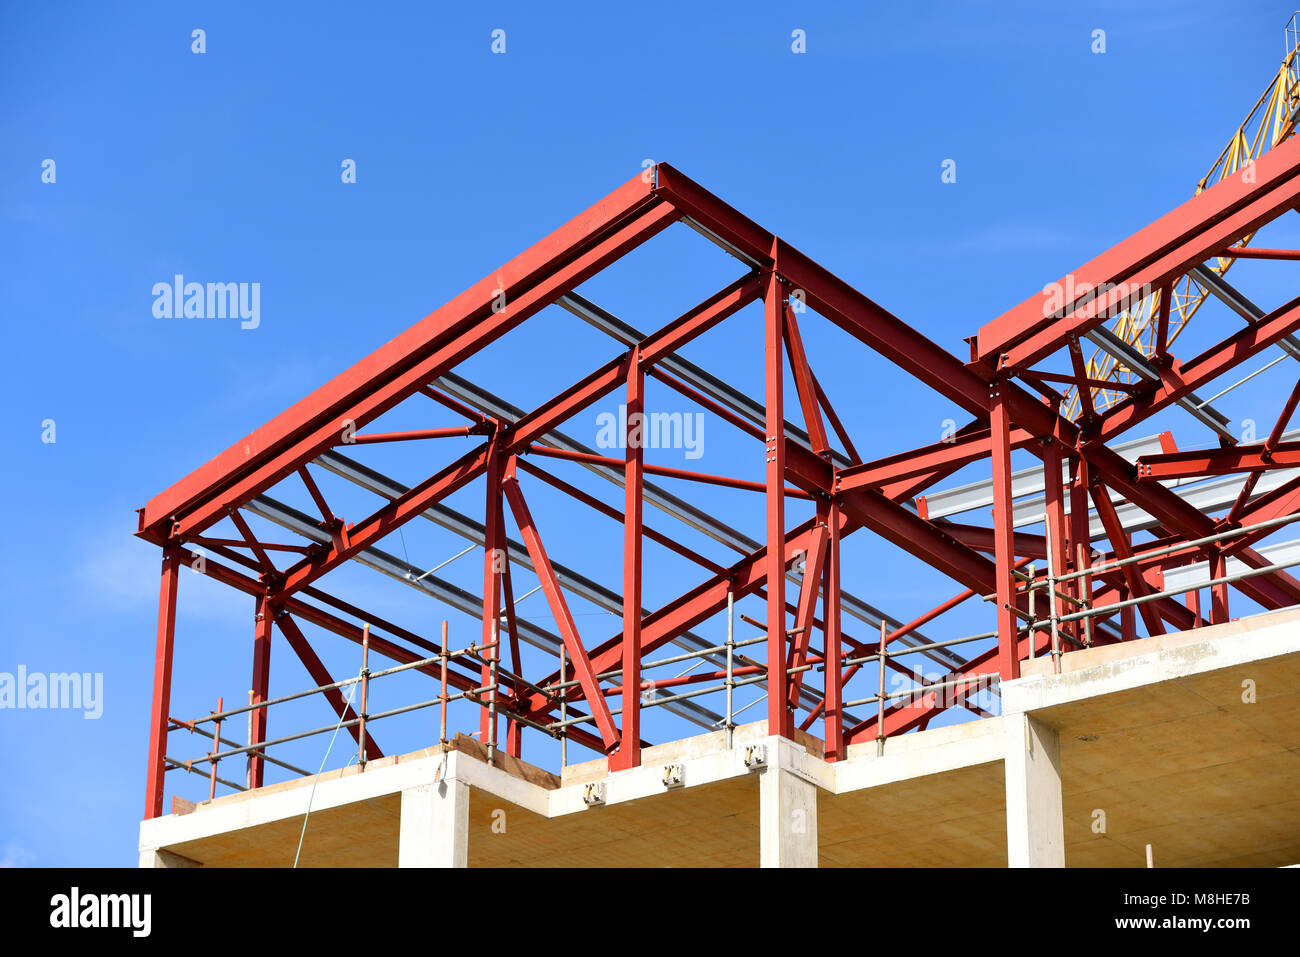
(157, 857)
(787, 815)
(1035, 825)
(434, 830)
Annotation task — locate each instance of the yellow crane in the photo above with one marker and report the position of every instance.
(1270, 121)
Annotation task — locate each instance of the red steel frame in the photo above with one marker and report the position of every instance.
(1011, 405)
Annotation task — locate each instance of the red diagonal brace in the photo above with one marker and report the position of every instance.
(1119, 543)
(814, 562)
(320, 674)
(803, 383)
(560, 609)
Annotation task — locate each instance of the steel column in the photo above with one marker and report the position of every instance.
(834, 698)
(1003, 534)
(162, 682)
(261, 685)
(779, 719)
(628, 754)
(493, 557)
(1218, 593)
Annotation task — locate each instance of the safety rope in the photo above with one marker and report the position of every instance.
(312, 796)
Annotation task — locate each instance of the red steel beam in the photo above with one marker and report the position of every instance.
(516, 438)
(1277, 590)
(867, 504)
(721, 411)
(904, 717)
(926, 540)
(916, 354)
(708, 314)
(1202, 462)
(956, 452)
(701, 602)
(1151, 257)
(659, 538)
(1252, 252)
(826, 293)
(662, 470)
(1178, 379)
(1283, 500)
(455, 432)
(983, 539)
(378, 644)
(355, 538)
(610, 376)
(398, 370)
(203, 540)
(629, 203)
(460, 408)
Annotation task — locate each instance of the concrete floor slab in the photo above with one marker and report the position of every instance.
(1188, 742)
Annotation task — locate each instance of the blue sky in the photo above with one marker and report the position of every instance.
(225, 166)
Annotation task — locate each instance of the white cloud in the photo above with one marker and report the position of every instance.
(120, 573)
(16, 856)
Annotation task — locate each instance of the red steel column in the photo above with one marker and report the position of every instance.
(1003, 531)
(1054, 494)
(493, 561)
(1193, 600)
(162, 683)
(1218, 568)
(834, 723)
(628, 754)
(1127, 615)
(779, 719)
(1080, 537)
(261, 685)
